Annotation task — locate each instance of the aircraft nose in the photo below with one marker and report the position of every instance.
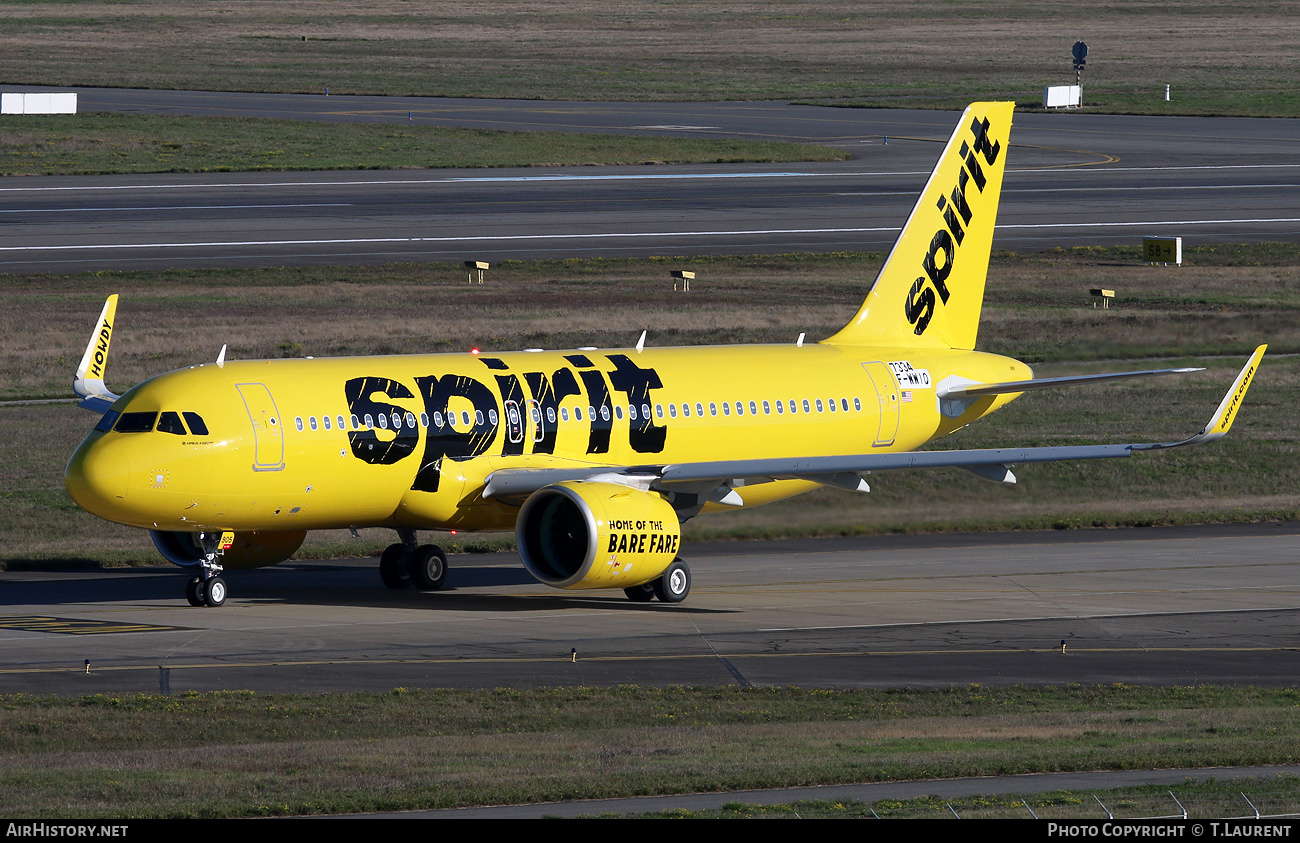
(96, 477)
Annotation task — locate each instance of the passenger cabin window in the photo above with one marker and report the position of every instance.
(135, 422)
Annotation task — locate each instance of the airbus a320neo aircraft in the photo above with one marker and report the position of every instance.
(594, 457)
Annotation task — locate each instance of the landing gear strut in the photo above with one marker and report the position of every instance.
(410, 564)
(208, 588)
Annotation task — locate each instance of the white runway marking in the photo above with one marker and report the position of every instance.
(602, 177)
(216, 244)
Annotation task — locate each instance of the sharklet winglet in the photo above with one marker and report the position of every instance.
(1221, 422)
(89, 382)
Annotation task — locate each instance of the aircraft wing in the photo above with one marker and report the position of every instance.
(846, 471)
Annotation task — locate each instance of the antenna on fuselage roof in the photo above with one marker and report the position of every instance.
(221, 358)
(640, 344)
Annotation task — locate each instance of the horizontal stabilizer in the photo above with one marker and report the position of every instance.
(972, 390)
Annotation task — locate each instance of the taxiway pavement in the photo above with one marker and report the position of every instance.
(1160, 605)
(1072, 179)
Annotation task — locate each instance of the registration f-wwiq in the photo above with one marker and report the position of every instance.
(594, 457)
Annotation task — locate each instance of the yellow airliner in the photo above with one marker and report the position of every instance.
(594, 457)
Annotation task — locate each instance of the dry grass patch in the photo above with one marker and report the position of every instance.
(134, 143)
(1225, 57)
(153, 756)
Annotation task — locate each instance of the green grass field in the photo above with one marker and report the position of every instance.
(133, 143)
(1217, 798)
(243, 754)
(1233, 57)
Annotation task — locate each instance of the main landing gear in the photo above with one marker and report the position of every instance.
(407, 564)
(208, 588)
(671, 587)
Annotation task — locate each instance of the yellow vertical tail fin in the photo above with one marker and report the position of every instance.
(931, 288)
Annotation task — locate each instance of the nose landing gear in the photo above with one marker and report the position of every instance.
(208, 588)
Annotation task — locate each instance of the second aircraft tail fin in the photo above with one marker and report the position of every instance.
(931, 288)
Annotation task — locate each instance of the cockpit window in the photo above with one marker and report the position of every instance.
(197, 427)
(106, 421)
(135, 422)
(170, 422)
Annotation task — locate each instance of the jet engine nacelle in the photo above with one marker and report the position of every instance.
(596, 535)
(253, 549)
